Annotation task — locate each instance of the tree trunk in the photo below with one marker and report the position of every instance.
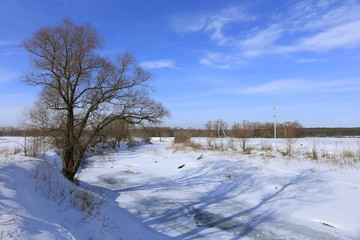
(67, 157)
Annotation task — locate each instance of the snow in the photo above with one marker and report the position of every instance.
(217, 194)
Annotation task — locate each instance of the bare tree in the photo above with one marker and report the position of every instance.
(244, 133)
(82, 92)
(235, 127)
(209, 127)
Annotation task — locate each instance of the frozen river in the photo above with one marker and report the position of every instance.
(221, 196)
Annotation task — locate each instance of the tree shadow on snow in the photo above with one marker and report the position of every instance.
(214, 201)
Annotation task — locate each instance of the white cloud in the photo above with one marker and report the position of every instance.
(344, 36)
(163, 63)
(290, 86)
(280, 86)
(325, 29)
(187, 23)
(315, 14)
(215, 60)
(259, 42)
(307, 25)
(221, 60)
(6, 43)
(212, 23)
(310, 60)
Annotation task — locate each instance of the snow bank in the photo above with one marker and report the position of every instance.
(37, 202)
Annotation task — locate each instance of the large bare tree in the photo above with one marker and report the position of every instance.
(82, 92)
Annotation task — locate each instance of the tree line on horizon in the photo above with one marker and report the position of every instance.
(120, 130)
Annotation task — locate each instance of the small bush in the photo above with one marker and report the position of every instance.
(347, 153)
(248, 150)
(186, 145)
(311, 154)
(231, 144)
(289, 147)
(133, 143)
(209, 142)
(182, 136)
(325, 154)
(4, 152)
(33, 145)
(194, 145)
(265, 146)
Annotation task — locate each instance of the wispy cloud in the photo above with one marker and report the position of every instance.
(221, 60)
(276, 87)
(310, 60)
(343, 36)
(318, 15)
(5, 43)
(258, 43)
(212, 23)
(290, 86)
(326, 26)
(306, 26)
(163, 63)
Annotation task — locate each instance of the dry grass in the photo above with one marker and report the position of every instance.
(266, 147)
(313, 153)
(347, 154)
(182, 137)
(266, 150)
(186, 146)
(7, 218)
(67, 195)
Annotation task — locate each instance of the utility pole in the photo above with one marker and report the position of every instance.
(221, 128)
(218, 128)
(274, 120)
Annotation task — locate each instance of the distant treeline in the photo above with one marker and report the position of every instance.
(332, 132)
(217, 128)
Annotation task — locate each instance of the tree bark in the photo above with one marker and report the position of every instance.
(67, 156)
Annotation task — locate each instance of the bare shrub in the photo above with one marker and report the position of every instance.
(289, 147)
(31, 146)
(347, 153)
(87, 202)
(133, 143)
(186, 145)
(17, 150)
(244, 133)
(4, 152)
(218, 146)
(325, 154)
(182, 136)
(34, 146)
(266, 147)
(243, 144)
(248, 150)
(194, 145)
(313, 153)
(231, 144)
(209, 142)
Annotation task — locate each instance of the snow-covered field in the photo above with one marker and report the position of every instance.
(210, 191)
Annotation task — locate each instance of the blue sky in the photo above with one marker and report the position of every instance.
(229, 60)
